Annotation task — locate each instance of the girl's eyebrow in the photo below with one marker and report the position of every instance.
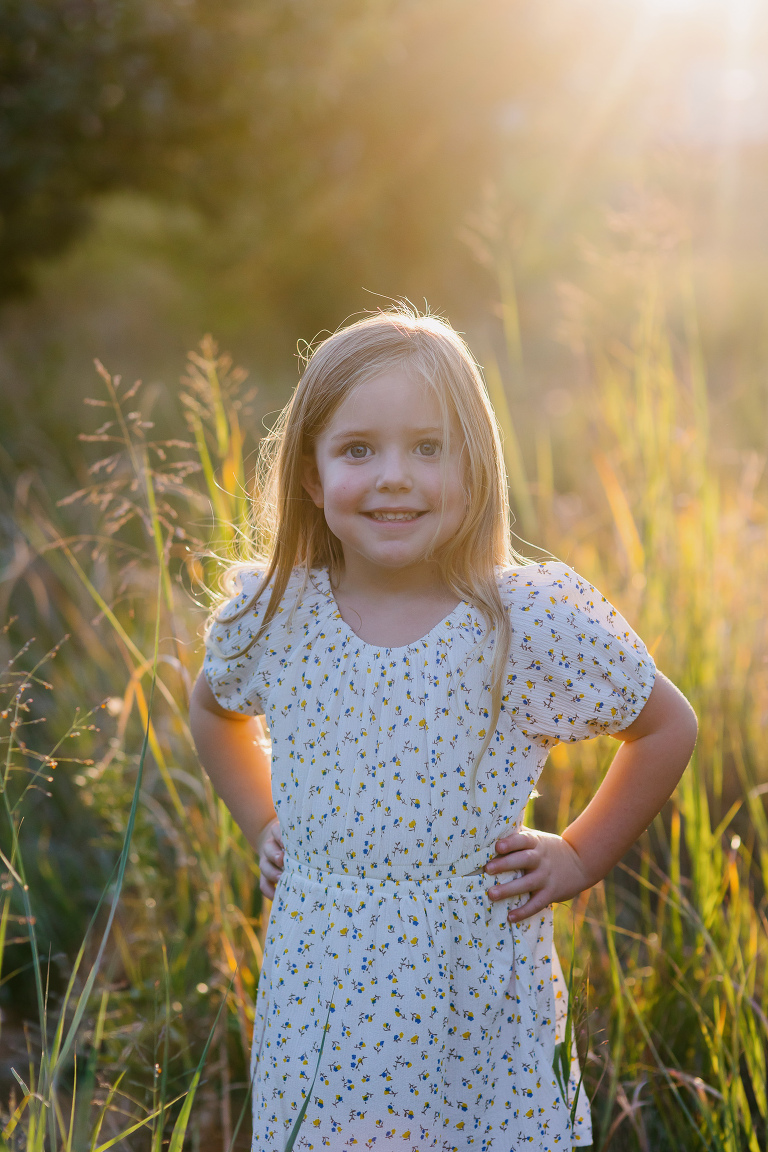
(369, 433)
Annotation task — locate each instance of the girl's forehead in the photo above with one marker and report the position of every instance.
(392, 396)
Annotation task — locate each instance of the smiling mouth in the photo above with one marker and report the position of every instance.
(385, 517)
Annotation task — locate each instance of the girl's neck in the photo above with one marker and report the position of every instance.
(394, 606)
(415, 581)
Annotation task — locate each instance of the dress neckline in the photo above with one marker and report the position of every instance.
(322, 580)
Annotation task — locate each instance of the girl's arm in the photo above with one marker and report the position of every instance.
(232, 750)
(654, 752)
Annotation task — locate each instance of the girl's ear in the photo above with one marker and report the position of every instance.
(310, 479)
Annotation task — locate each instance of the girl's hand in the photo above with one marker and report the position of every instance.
(655, 749)
(552, 871)
(271, 858)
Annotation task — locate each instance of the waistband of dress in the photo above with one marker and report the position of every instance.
(469, 868)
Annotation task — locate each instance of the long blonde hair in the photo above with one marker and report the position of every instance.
(290, 531)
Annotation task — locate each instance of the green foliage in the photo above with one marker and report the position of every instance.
(103, 94)
(513, 164)
(675, 944)
(339, 146)
(350, 152)
(147, 1040)
(121, 1047)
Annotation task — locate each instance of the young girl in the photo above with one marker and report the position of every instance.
(414, 677)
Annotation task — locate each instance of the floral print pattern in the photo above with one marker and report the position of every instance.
(442, 1018)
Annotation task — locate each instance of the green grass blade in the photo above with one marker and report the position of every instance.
(133, 1128)
(85, 995)
(302, 1111)
(176, 1143)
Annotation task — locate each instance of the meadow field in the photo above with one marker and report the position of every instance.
(137, 1034)
(583, 194)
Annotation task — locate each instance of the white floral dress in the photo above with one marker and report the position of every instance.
(441, 1017)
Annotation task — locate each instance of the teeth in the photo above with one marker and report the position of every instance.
(394, 515)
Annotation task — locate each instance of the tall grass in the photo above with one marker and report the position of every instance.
(144, 1038)
(156, 1011)
(673, 947)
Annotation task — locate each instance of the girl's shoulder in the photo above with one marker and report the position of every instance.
(576, 667)
(244, 635)
(248, 592)
(528, 581)
(240, 584)
(554, 601)
(552, 591)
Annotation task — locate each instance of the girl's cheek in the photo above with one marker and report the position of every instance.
(349, 491)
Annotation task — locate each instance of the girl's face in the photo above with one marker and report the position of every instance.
(388, 486)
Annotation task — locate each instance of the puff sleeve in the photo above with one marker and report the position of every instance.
(232, 660)
(576, 668)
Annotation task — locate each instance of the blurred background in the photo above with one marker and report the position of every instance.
(580, 187)
(263, 171)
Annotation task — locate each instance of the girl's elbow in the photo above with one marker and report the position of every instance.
(691, 726)
(676, 713)
(686, 728)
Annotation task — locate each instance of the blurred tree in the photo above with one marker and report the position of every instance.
(333, 148)
(344, 139)
(104, 94)
(373, 128)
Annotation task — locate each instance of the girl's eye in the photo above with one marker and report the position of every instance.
(357, 451)
(429, 448)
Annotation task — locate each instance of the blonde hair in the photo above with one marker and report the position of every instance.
(290, 531)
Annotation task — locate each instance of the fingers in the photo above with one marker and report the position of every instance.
(272, 872)
(516, 841)
(530, 882)
(274, 832)
(536, 904)
(547, 871)
(535, 884)
(273, 852)
(528, 857)
(267, 889)
(269, 833)
(271, 860)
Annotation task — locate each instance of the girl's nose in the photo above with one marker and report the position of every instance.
(394, 475)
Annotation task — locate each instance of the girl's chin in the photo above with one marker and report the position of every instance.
(388, 557)
(397, 562)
